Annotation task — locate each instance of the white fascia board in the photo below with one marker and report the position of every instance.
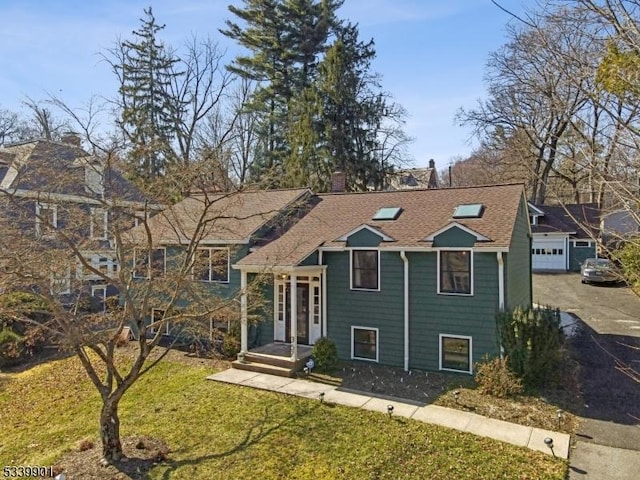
(539, 235)
(281, 269)
(399, 248)
(478, 236)
(375, 231)
(64, 197)
(533, 210)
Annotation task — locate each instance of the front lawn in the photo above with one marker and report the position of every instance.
(223, 431)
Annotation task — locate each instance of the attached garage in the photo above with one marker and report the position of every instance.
(549, 253)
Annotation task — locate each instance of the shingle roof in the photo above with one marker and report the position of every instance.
(423, 213)
(54, 167)
(219, 217)
(579, 219)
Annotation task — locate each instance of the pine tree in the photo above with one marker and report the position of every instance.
(285, 40)
(149, 113)
(319, 106)
(353, 111)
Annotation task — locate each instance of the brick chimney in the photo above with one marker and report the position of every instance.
(338, 181)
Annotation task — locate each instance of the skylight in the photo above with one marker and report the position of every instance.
(473, 210)
(387, 213)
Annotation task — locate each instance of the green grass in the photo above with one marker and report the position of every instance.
(224, 431)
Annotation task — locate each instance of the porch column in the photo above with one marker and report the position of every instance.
(293, 318)
(243, 312)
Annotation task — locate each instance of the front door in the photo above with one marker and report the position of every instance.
(302, 315)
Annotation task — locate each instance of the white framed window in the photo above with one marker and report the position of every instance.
(455, 272)
(157, 319)
(99, 224)
(364, 343)
(211, 265)
(139, 216)
(365, 269)
(99, 298)
(143, 264)
(581, 243)
(46, 219)
(61, 281)
(456, 353)
(105, 263)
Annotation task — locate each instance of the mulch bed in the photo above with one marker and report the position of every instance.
(142, 454)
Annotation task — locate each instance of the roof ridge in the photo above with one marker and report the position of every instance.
(408, 190)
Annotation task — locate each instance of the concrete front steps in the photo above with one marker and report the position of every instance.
(271, 364)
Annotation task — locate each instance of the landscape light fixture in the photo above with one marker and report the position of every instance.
(321, 397)
(559, 414)
(390, 410)
(456, 395)
(549, 443)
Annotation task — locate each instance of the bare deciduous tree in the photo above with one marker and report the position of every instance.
(69, 241)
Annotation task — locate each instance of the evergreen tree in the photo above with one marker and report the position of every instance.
(320, 108)
(284, 39)
(354, 111)
(149, 113)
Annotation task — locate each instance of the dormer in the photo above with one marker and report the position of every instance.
(534, 213)
(93, 174)
(456, 235)
(365, 236)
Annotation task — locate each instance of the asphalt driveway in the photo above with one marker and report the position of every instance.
(608, 337)
(607, 309)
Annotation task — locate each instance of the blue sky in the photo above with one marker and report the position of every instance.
(431, 53)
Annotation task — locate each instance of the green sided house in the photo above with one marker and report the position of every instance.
(198, 240)
(410, 278)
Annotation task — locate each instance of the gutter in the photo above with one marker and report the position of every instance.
(405, 260)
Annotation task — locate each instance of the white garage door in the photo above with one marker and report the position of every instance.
(549, 254)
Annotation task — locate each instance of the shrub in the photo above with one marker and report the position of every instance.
(494, 378)
(11, 346)
(532, 341)
(325, 354)
(230, 345)
(19, 339)
(629, 257)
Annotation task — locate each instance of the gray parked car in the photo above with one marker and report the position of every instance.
(598, 270)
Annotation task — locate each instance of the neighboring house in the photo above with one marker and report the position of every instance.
(409, 278)
(48, 187)
(618, 225)
(563, 235)
(413, 178)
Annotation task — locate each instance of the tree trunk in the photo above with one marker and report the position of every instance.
(110, 431)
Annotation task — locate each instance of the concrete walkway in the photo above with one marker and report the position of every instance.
(519, 435)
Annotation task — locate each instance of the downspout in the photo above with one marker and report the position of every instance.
(501, 290)
(405, 260)
(323, 278)
(243, 312)
(501, 281)
(293, 279)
